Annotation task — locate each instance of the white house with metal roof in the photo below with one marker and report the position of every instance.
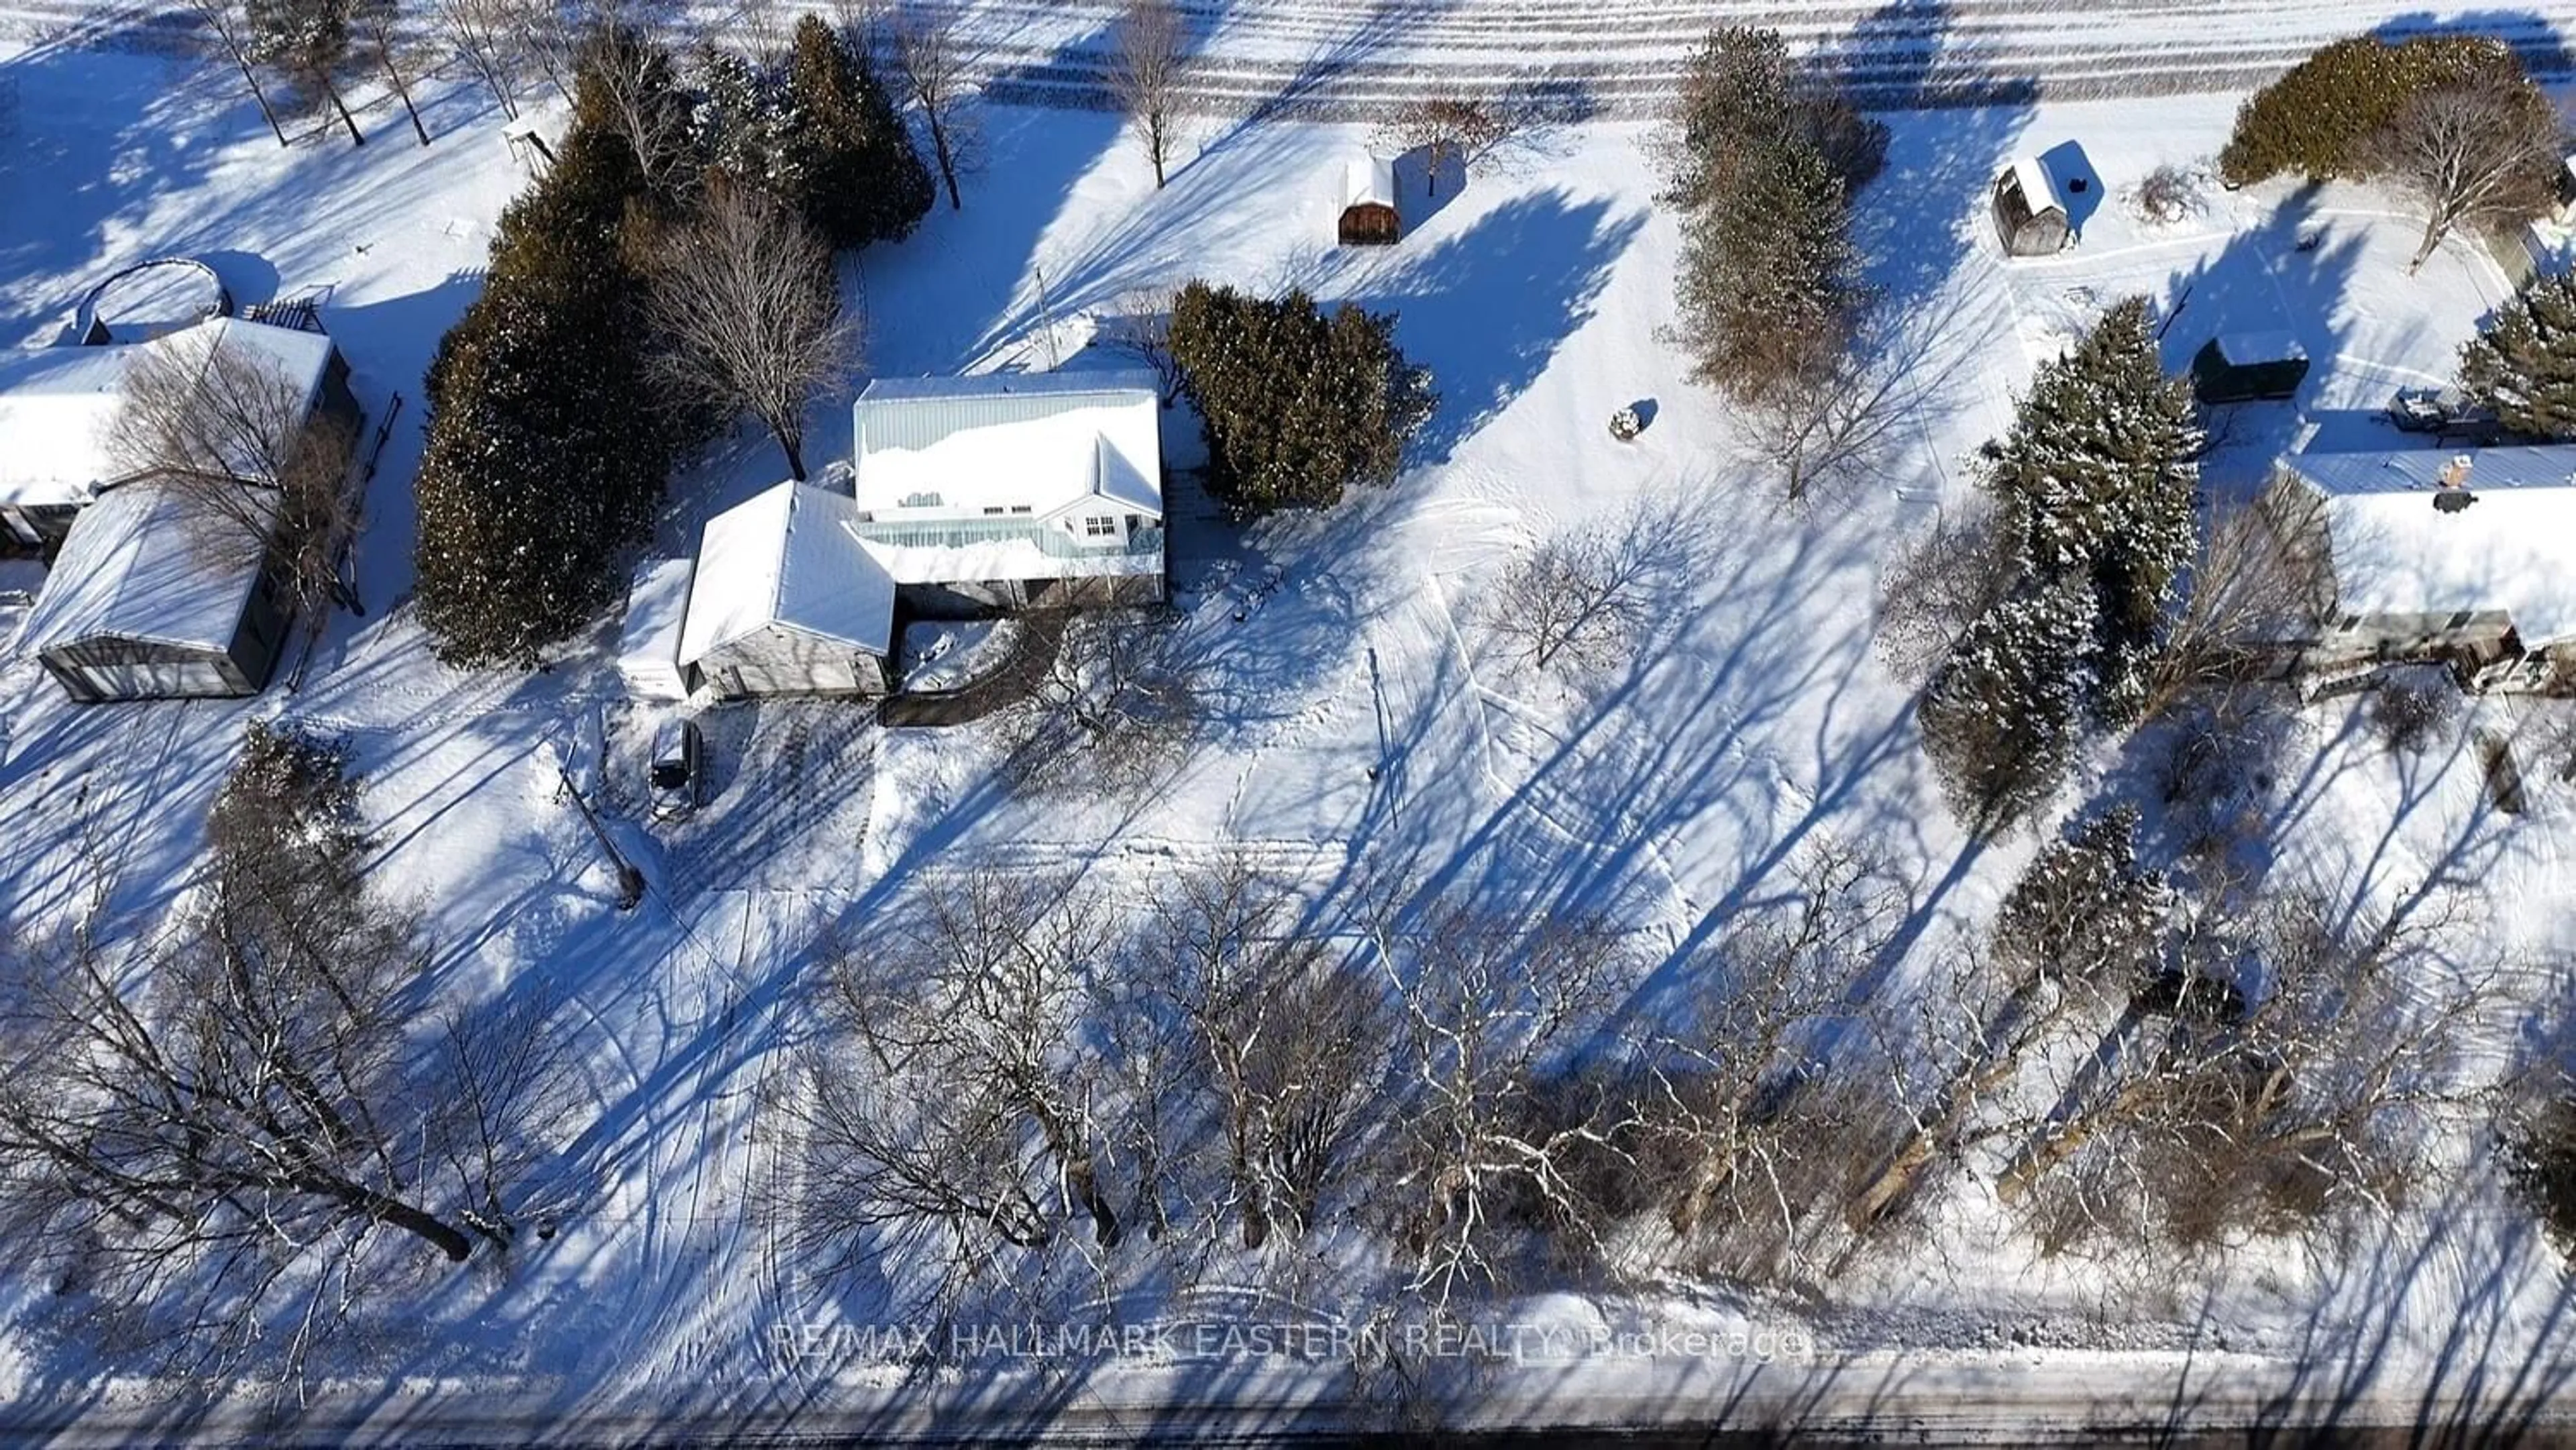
(2431, 547)
(787, 600)
(1012, 490)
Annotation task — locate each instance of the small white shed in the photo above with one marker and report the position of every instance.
(1369, 217)
(2031, 216)
(787, 600)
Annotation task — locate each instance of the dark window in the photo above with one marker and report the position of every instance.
(670, 775)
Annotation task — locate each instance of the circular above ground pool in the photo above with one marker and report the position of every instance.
(151, 298)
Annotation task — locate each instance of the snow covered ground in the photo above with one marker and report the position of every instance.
(1367, 729)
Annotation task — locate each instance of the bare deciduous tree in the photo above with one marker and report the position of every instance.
(1841, 418)
(2073, 940)
(1450, 128)
(932, 69)
(952, 1092)
(1939, 585)
(1141, 322)
(378, 22)
(267, 466)
(1765, 1106)
(1291, 1038)
(746, 296)
(217, 1137)
(232, 31)
(1587, 597)
(2250, 591)
(2484, 150)
(310, 39)
(1498, 1131)
(1116, 704)
(1149, 73)
(486, 35)
(2203, 1120)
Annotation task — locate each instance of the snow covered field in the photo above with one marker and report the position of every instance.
(1336, 56)
(1367, 731)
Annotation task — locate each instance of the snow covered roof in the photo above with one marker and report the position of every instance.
(2510, 544)
(790, 556)
(2038, 184)
(58, 405)
(148, 562)
(648, 646)
(1369, 180)
(2259, 347)
(1000, 441)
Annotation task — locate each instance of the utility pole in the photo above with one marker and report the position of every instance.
(630, 879)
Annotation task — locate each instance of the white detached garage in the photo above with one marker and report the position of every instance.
(787, 600)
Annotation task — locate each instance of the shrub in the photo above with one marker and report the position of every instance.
(2318, 119)
(1299, 404)
(2169, 194)
(2541, 1157)
(2408, 712)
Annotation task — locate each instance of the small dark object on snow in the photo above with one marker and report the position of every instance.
(1625, 425)
(2309, 241)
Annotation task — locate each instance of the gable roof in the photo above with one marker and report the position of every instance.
(1368, 180)
(149, 562)
(2509, 543)
(1043, 441)
(790, 555)
(2038, 185)
(58, 405)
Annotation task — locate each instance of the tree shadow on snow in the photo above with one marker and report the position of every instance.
(1488, 308)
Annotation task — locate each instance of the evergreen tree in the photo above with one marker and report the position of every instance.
(750, 127)
(2097, 478)
(2523, 365)
(1767, 293)
(1744, 91)
(547, 449)
(2319, 118)
(1298, 405)
(2085, 908)
(2003, 717)
(1762, 160)
(864, 182)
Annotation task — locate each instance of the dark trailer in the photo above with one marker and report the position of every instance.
(2247, 368)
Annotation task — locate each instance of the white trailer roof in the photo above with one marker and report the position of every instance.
(149, 562)
(791, 556)
(2511, 546)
